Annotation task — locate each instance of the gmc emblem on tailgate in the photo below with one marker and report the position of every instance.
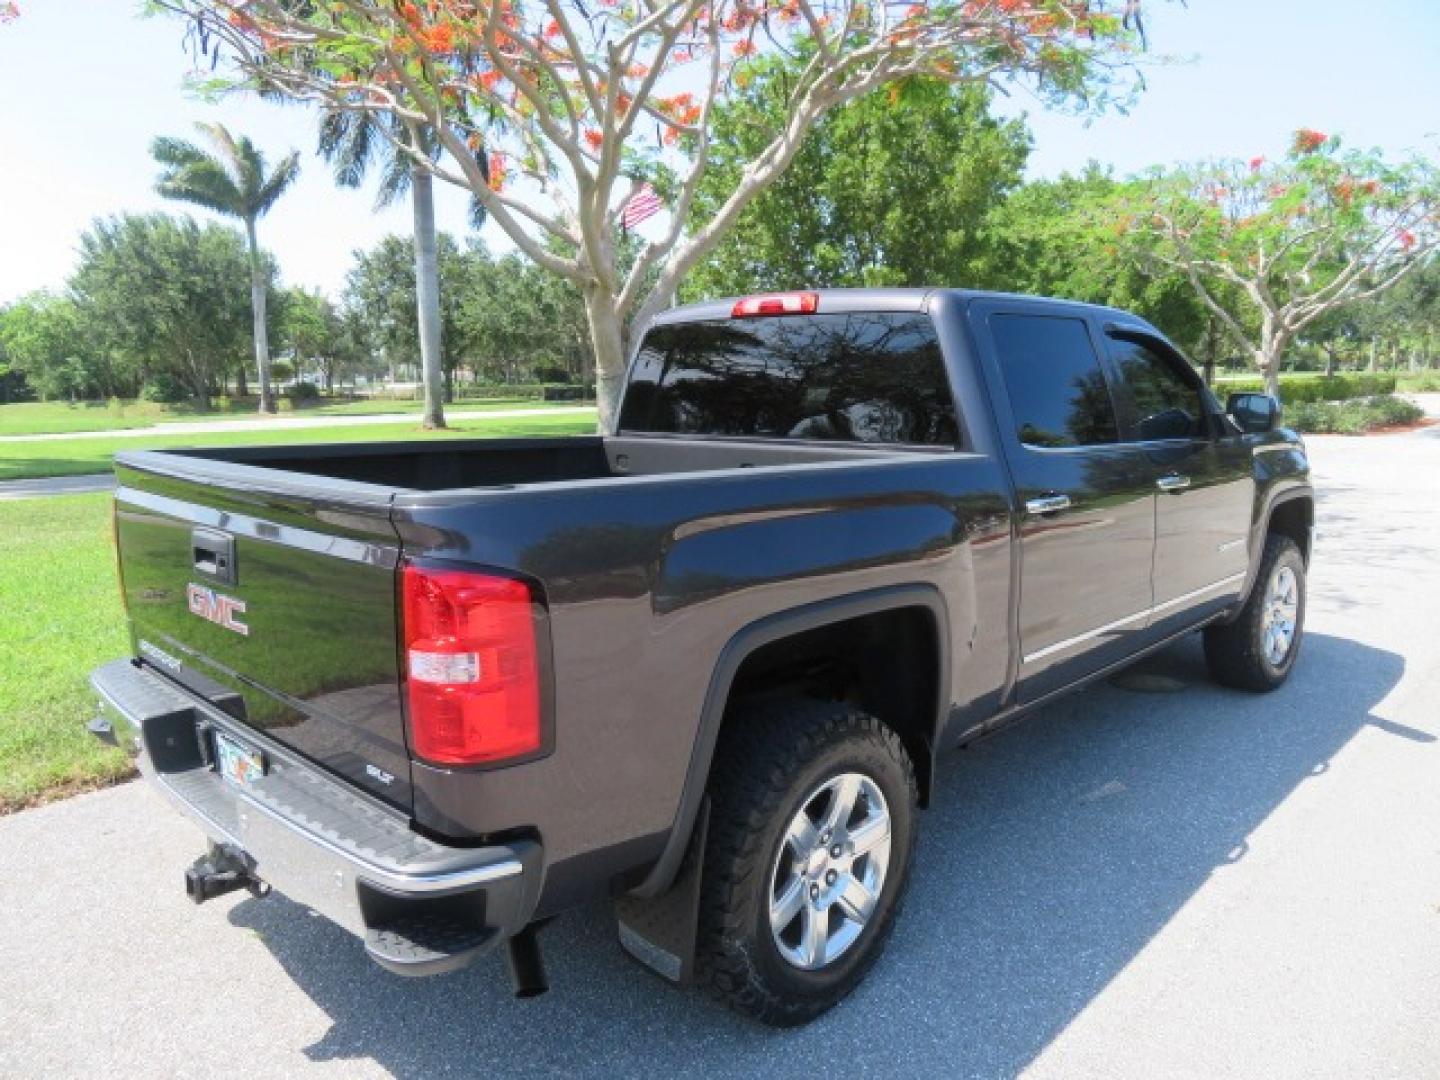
(216, 607)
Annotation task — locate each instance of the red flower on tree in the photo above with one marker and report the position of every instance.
(1307, 141)
(1256, 162)
(439, 38)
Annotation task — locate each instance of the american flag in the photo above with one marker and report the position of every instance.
(643, 204)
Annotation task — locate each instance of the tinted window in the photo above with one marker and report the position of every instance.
(1167, 404)
(868, 377)
(1057, 389)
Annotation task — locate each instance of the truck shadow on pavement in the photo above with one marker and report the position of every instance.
(1053, 853)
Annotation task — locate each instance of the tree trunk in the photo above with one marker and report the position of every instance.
(257, 311)
(1272, 383)
(242, 385)
(608, 339)
(427, 296)
(199, 383)
(1268, 361)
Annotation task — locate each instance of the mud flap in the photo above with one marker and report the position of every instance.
(660, 931)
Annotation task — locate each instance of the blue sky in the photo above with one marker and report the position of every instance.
(86, 84)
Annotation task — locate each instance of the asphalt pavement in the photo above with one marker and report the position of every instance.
(1154, 878)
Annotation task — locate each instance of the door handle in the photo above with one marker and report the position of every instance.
(1173, 482)
(1048, 504)
(213, 553)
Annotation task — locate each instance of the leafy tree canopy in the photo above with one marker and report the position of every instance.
(1063, 238)
(380, 291)
(894, 189)
(1271, 247)
(42, 336)
(166, 295)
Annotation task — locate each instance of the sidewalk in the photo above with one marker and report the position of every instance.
(282, 423)
(55, 485)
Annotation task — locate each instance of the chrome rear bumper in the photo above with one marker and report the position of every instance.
(310, 837)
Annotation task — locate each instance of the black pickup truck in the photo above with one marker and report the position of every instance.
(703, 664)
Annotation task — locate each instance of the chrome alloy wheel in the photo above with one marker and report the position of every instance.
(830, 870)
(1282, 606)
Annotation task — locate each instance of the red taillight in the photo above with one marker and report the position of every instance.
(472, 672)
(785, 303)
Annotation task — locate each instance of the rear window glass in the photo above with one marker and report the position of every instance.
(866, 377)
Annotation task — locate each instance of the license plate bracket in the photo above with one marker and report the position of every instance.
(238, 763)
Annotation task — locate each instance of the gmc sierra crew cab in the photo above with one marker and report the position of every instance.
(704, 663)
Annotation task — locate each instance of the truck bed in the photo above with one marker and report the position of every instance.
(305, 651)
(481, 463)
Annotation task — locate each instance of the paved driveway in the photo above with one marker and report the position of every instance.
(1188, 883)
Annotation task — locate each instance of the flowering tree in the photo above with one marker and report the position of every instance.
(573, 104)
(1271, 247)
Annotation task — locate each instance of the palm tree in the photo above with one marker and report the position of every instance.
(233, 181)
(352, 142)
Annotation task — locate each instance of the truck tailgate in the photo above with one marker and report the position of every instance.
(272, 595)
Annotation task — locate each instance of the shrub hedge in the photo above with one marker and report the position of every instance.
(1298, 389)
(1351, 417)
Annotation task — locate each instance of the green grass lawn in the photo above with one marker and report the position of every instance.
(21, 459)
(43, 418)
(59, 417)
(60, 617)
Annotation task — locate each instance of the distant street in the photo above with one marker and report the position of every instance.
(55, 485)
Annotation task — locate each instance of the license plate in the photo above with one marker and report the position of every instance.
(236, 762)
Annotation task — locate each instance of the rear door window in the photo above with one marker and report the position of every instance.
(1057, 388)
(866, 377)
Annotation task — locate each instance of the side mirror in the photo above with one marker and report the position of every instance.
(1254, 413)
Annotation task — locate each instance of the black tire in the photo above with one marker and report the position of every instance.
(1235, 652)
(770, 760)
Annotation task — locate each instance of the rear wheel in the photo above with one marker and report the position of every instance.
(811, 835)
(1258, 649)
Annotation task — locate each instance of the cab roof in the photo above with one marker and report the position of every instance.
(890, 299)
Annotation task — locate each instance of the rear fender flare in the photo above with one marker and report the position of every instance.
(733, 655)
